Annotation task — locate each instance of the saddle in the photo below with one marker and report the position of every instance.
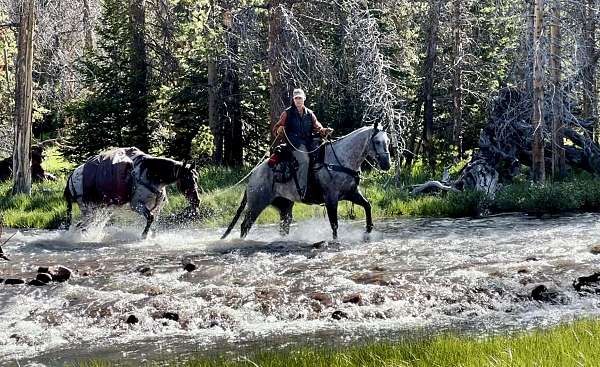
(285, 168)
(284, 164)
(107, 178)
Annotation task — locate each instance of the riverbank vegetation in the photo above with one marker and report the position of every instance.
(572, 344)
(390, 197)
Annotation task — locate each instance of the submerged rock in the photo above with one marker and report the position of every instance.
(171, 316)
(61, 273)
(44, 277)
(595, 249)
(319, 244)
(590, 283)
(323, 298)
(355, 298)
(132, 320)
(14, 281)
(43, 269)
(189, 267)
(372, 277)
(145, 270)
(36, 283)
(338, 315)
(542, 294)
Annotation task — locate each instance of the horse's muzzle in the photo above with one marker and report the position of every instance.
(384, 161)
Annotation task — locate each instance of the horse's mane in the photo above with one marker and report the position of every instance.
(161, 168)
(359, 130)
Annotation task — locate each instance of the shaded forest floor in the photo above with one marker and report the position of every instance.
(46, 208)
(566, 345)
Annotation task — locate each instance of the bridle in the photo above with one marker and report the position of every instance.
(377, 154)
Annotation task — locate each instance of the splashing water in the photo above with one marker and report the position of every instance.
(414, 276)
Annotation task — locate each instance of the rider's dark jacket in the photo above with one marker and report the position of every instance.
(299, 128)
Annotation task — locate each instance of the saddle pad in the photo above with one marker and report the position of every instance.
(107, 178)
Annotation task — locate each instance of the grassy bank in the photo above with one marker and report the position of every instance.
(573, 344)
(45, 208)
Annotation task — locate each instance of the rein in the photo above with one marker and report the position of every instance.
(341, 168)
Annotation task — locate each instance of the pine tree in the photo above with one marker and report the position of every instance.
(107, 115)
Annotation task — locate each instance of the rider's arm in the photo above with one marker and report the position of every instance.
(316, 124)
(281, 122)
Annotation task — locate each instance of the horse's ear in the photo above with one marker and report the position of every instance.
(375, 127)
(193, 165)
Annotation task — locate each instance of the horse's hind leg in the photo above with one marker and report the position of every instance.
(252, 212)
(86, 217)
(285, 207)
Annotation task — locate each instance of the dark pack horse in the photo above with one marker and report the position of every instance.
(128, 175)
(336, 179)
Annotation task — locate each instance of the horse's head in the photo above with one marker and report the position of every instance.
(187, 183)
(378, 148)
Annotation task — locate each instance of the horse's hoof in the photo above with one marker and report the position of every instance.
(366, 237)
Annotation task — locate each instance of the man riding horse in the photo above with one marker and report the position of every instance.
(297, 123)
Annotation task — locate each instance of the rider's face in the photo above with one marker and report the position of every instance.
(299, 102)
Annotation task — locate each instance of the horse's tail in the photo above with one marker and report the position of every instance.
(68, 195)
(237, 215)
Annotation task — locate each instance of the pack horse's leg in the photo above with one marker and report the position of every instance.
(149, 220)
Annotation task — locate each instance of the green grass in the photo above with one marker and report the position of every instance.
(574, 344)
(389, 197)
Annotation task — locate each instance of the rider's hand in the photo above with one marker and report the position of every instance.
(326, 131)
(280, 130)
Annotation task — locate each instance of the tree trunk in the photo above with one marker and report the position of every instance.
(139, 77)
(537, 149)
(230, 93)
(558, 149)
(457, 79)
(23, 101)
(213, 117)
(87, 26)
(279, 96)
(434, 18)
(590, 92)
(213, 121)
(5, 56)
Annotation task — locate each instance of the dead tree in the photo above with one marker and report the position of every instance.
(457, 77)
(590, 87)
(278, 90)
(558, 149)
(23, 101)
(427, 88)
(538, 167)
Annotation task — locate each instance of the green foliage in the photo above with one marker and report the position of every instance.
(219, 199)
(107, 115)
(571, 344)
(579, 192)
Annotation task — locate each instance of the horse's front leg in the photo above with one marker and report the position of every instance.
(358, 199)
(141, 208)
(149, 220)
(331, 203)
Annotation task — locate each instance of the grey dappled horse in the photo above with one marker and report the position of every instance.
(128, 175)
(338, 180)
